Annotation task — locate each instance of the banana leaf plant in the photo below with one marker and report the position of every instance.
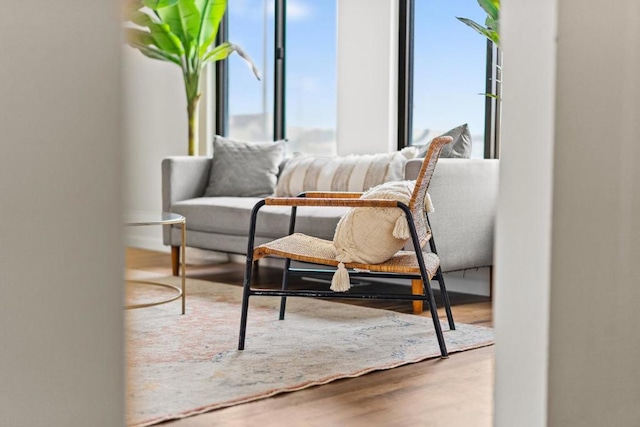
(182, 32)
(491, 28)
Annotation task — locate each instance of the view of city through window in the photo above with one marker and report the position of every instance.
(449, 72)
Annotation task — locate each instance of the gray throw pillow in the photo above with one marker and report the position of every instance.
(459, 148)
(244, 169)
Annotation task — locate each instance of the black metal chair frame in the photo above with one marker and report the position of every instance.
(285, 292)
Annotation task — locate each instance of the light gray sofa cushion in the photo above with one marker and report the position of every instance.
(244, 169)
(231, 216)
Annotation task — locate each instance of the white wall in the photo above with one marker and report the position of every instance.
(156, 125)
(568, 240)
(367, 76)
(594, 344)
(61, 354)
(523, 224)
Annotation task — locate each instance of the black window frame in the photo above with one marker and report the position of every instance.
(405, 72)
(221, 100)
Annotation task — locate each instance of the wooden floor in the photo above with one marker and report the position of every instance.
(454, 392)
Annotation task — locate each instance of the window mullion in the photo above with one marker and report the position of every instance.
(222, 81)
(405, 73)
(279, 124)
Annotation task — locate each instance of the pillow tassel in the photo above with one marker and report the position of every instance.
(340, 281)
(401, 229)
(428, 205)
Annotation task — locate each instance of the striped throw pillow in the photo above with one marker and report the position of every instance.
(350, 173)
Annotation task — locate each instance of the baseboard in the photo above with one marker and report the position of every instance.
(475, 281)
(145, 242)
(194, 255)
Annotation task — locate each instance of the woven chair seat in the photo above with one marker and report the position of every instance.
(301, 247)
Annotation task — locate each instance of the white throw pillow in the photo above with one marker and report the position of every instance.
(350, 173)
(373, 235)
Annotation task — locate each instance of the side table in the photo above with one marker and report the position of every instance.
(135, 219)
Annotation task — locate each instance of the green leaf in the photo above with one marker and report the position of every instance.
(492, 24)
(183, 19)
(159, 4)
(164, 39)
(137, 37)
(223, 50)
(494, 36)
(490, 95)
(156, 54)
(142, 19)
(211, 13)
(491, 7)
(131, 6)
(218, 53)
(488, 33)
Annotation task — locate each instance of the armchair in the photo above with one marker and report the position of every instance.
(417, 265)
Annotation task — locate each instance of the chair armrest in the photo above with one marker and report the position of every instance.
(331, 194)
(183, 177)
(355, 203)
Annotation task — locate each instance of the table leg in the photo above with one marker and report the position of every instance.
(184, 244)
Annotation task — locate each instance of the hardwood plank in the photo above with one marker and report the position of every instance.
(453, 392)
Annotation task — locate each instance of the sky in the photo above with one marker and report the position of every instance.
(449, 68)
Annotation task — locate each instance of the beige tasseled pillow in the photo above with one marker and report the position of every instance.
(373, 235)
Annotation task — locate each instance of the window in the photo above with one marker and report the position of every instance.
(296, 98)
(249, 101)
(311, 76)
(293, 43)
(445, 68)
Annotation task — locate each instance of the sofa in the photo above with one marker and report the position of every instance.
(463, 193)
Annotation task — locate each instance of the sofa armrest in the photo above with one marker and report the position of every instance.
(464, 194)
(183, 177)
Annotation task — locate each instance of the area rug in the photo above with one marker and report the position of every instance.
(182, 365)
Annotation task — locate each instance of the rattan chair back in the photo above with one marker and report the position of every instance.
(417, 203)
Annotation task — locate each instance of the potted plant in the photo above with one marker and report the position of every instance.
(182, 32)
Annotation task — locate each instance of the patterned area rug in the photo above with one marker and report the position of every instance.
(180, 366)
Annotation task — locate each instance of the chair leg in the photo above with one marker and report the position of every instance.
(417, 288)
(434, 316)
(175, 259)
(285, 286)
(245, 303)
(445, 297)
